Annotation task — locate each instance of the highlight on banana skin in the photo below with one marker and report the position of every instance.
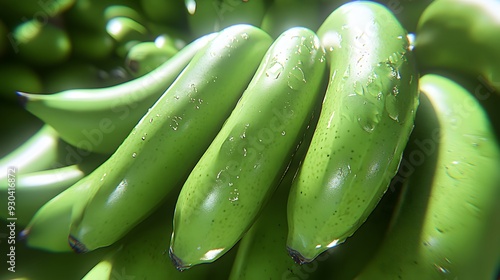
(250, 139)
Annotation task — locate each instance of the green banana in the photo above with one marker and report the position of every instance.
(168, 141)
(34, 189)
(102, 118)
(37, 153)
(41, 43)
(460, 36)
(366, 119)
(127, 32)
(447, 225)
(242, 167)
(147, 56)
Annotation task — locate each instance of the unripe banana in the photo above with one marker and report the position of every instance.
(165, 145)
(41, 43)
(242, 167)
(147, 56)
(127, 33)
(447, 224)
(364, 124)
(102, 118)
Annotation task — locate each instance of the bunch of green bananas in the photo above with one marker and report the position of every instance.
(259, 139)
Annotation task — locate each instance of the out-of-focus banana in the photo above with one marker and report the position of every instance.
(41, 43)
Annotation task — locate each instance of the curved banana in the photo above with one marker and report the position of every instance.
(242, 167)
(447, 225)
(144, 57)
(41, 43)
(168, 141)
(460, 36)
(38, 153)
(99, 120)
(365, 122)
(34, 189)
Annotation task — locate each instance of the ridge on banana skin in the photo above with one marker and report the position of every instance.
(98, 120)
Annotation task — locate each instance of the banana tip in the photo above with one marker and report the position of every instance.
(22, 98)
(179, 265)
(23, 235)
(76, 245)
(297, 257)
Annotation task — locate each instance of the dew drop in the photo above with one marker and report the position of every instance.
(391, 107)
(134, 155)
(283, 133)
(244, 36)
(455, 170)
(275, 70)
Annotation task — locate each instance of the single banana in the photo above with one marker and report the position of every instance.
(147, 56)
(32, 190)
(166, 144)
(102, 118)
(364, 125)
(447, 225)
(127, 32)
(242, 167)
(41, 43)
